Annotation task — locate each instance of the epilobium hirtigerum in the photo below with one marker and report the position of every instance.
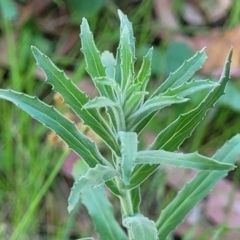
(129, 108)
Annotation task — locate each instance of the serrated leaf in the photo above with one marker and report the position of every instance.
(133, 102)
(99, 102)
(54, 120)
(172, 136)
(93, 178)
(75, 99)
(183, 73)
(124, 23)
(99, 208)
(189, 88)
(141, 228)
(187, 160)
(95, 67)
(108, 62)
(129, 144)
(151, 106)
(145, 70)
(127, 70)
(196, 190)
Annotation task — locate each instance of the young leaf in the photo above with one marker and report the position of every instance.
(109, 62)
(129, 144)
(133, 102)
(95, 67)
(183, 73)
(172, 136)
(99, 208)
(145, 70)
(189, 88)
(187, 160)
(196, 190)
(75, 99)
(99, 102)
(124, 23)
(140, 227)
(126, 59)
(93, 178)
(54, 120)
(151, 106)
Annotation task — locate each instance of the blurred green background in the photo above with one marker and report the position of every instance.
(34, 183)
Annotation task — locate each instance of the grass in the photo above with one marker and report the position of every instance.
(29, 166)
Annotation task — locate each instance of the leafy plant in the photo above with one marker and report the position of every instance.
(129, 108)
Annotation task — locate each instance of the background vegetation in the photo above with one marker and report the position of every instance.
(34, 166)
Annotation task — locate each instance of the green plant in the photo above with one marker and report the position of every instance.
(129, 108)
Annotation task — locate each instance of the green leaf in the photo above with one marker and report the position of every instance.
(8, 9)
(93, 60)
(145, 70)
(75, 99)
(187, 160)
(196, 190)
(183, 73)
(141, 228)
(99, 102)
(95, 67)
(136, 199)
(54, 120)
(93, 178)
(99, 208)
(133, 102)
(129, 144)
(124, 24)
(172, 136)
(151, 106)
(87, 238)
(189, 88)
(127, 70)
(109, 63)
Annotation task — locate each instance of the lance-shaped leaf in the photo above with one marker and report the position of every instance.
(187, 160)
(196, 190)
(93, 178)
(109, 62)
(54, 120)
(124, 24)
(151, 106)
(189, 88)
(126, 59)
(93, 60)
(75, 99)
(129, 144)
(145, 70)
(172, 136)
(140, 227)
(183, 73)
(99, 208)
(133, 102)
(99, 102)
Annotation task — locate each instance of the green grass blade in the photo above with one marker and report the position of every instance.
(141, 228)
(171, 137)
(183, 73)
(187, 160)
(94, 177)
(196, 190)
(75, 99)
(54, 120)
